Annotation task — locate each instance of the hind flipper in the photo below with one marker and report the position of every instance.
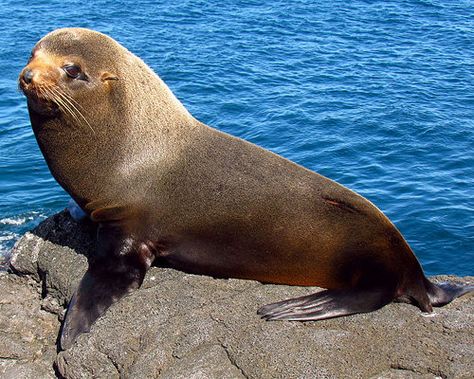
(441, 294)
(327, 304)
(118, 268)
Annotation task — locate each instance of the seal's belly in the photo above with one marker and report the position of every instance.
(263, 263)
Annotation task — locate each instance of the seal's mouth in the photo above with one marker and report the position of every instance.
(40, 97)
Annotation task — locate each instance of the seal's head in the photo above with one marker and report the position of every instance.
(65, 68)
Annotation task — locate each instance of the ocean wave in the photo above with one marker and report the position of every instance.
(7, 237)
(15, 221)
(22, 219)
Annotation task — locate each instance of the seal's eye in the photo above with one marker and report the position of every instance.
(72, 71)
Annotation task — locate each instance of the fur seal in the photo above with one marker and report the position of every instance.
(166, 189)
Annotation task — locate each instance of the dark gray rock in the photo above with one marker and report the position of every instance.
(187, 326)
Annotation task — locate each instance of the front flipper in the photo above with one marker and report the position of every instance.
(327, 304)
(117, 269)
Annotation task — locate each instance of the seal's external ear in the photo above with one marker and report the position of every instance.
(105, 76)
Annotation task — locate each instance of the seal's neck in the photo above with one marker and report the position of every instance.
(94, 163)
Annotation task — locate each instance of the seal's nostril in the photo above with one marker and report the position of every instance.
(28, 76)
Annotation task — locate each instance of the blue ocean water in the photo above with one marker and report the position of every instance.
(377, 95)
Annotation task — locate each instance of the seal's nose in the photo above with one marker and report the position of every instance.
(28, 76)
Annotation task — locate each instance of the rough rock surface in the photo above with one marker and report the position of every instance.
(187, 326)
(27, 333)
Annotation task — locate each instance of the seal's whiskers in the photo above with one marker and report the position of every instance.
(71, 106)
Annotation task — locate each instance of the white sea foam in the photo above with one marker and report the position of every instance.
(7, 237)
(15, 221)
(20, 220)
